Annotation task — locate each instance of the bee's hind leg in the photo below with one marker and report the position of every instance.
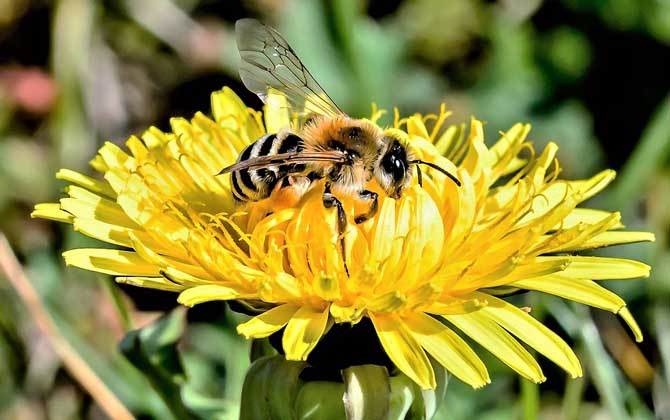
(329, 200)
(367, 196)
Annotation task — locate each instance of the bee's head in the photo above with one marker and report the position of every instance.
(393, 170)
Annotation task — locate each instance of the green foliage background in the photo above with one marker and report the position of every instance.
(592, 75)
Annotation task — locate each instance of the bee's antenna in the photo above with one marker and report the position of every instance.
(434, 166)
(419, 175)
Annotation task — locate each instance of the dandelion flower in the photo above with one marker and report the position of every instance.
(426, 266)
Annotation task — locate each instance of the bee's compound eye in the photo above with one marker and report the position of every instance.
(336, 145)
(394, 166)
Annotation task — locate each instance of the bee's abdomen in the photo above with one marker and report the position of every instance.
(258, 184)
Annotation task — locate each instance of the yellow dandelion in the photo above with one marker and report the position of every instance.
(428, 264)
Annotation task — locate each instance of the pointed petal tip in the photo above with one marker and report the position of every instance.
(625, 314)
(480, 384)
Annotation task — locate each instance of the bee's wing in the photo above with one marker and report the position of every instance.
(284, 159)
(269, 62)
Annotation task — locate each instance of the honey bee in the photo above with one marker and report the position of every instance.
(344, 152)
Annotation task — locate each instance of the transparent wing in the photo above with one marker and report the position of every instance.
(269, 62)
(284, 159)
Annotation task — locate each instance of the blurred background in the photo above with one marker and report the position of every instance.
(594, 75)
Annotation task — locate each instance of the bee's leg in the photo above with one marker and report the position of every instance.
(329, 200)
(367, 196)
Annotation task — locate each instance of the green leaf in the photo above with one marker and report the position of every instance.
(216, 360)
(652, 151)
(152, 350)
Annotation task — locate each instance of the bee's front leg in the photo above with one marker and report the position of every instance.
(329, 200)
(367, 196)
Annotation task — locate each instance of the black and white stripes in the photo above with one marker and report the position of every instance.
(258, 184)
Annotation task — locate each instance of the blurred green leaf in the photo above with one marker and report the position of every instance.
(652, 151)
(215, 359)
(152, 350)
(599, 365)
(572, 398)
(569, 51)
(74, 140)
(530, 399)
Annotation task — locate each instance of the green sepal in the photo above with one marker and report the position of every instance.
(404, 393)
(433, 398)
(320, 400)
(367, 392)
(270, 389)
(409, 401)
(261, 347)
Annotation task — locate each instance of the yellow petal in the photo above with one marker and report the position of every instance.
(268, 322)
(115, 157)
(503, 154)
(448, 349)
(453, 306)
(103, 231)
(110, 261)
(137, 147)
(416, 127)
(595, 184)
(499, 342)
(327, 287)
(625, 314)
(423, 245)
(615, 238)
(87, 205)
(98, 163)
(583, 215)
(94, 185)
(303, 332)
(583, 291)
(225, 103)
(200, 294)
(532, 332)
(478, 155)
(231, 113)
(159, 283)
(389, 302)
(155, 138)
(403, 349)
(383, 230)
(450, 140)
(194, 277)
(602, 268)
(51, 211)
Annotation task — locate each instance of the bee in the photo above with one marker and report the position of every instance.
(344, 152)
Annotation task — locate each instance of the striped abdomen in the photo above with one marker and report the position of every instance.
(258, 184)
